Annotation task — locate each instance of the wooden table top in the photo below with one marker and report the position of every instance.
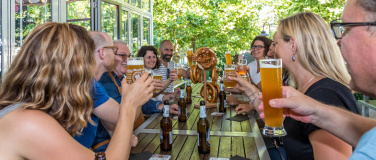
(227, 138)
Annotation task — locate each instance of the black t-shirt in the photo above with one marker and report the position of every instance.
(328, 91)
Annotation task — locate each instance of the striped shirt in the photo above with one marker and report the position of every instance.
(162, 70)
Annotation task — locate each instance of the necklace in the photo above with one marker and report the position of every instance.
(307, 82)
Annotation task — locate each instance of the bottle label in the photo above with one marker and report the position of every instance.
(224, 103)
(179, 111)
(202, 112)
(189, 82)
(181, 94)
(208, 136)
(222, 87)
(170, 138)
(166, 111)
(161, 137)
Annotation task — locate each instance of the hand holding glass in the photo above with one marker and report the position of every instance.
(135, 68)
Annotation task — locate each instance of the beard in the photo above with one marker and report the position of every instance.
(166, 58)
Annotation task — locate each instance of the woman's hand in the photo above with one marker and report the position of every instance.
(139, 92)
(158, 85)
(243, 85)
(243, 108)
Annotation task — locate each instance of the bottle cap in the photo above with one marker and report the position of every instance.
(181, 87)
(202, 103)
(166, 102)
(221, 81)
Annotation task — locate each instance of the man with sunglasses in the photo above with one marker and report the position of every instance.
(357, 39)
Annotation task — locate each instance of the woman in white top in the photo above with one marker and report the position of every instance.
(260, 46)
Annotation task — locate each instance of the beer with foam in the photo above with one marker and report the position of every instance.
(190, 57)
(135, 68)
(228, 58)
(229, 71)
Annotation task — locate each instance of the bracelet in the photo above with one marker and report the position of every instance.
(258, 93)
(253, 94)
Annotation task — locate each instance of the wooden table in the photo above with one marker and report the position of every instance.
(227, 138)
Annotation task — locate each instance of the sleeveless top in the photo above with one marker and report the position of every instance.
(8, 109)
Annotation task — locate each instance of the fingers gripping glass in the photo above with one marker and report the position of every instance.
(114, 48)
(257, 46)
(339, 28)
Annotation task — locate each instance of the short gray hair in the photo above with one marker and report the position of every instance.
(120, 42)
(370, 7)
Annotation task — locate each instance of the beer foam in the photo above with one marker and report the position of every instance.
(270, 66)
(135, 62)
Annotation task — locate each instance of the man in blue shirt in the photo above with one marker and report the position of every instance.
(111, 81)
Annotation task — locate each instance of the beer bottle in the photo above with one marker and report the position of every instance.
(203, 131)
(100, 156)
(222, 98)
(189, 92)
(182, 106)
(166, 128)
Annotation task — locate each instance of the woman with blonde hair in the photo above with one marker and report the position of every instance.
(309, 52)
(45, 97)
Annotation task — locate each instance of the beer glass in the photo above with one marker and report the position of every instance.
(271, 82)
(135, 68)
(228, 57)
(242, 67)
(157, 76)
(229, 71)
(179, 70)
(190, 57)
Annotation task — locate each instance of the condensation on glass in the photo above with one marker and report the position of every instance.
(109, 19)
(135, 33)
(146, 39)
(124, 23)
(78, 13)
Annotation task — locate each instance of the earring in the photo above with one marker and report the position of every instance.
(293, 58)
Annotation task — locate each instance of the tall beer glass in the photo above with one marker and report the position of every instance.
(242, 67)
(179, 70)
(135, 68)
(228, 57)
(271, 82)
(229, 71)
(190, 57)
(157, 76)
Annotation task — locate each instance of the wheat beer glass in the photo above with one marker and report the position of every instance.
(242, 67)
(135, 68)
(229, 71)
(157, 76)
(190, 57)
(228, 57)
(179, 70)
(271, 82)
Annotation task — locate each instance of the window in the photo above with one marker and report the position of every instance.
(145, 5)
(29, 15)
(146, 39)
(136, 3)
(109, 19)
(136, 39)
(78, 13)
(124, 18)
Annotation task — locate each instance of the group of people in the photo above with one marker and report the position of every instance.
(322, 118)
(64, 91)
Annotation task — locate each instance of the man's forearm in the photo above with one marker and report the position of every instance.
(343, 124)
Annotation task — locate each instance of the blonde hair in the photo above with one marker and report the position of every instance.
(317, 49)
(53, 73)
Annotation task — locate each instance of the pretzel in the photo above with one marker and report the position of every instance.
(193, 74)
(196, 74)
(205, 57)
(214, 75)
(211, 92)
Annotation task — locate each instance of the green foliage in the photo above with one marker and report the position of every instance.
(226, 25)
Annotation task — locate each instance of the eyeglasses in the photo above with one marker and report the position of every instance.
(124, 56)
(114, 48)
(339, 28)
(257, 46)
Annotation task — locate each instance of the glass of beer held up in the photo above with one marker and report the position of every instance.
(242, 67)
(157, 76)
(190, 57)
(271, 82)
(179, 70)
(135, 68)
(228, 57)
(229, 71)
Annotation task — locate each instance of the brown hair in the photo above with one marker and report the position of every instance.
(53, 73)
(144, 49)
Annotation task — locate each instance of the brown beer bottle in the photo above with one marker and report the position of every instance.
(100, 156)
(182, 106)
(166, 128)
(222, 98)
(203, 131)
(189, 92)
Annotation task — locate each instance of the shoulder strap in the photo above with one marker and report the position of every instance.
(113, 79)
(8, 109)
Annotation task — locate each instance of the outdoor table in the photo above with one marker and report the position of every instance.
(227, 138)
